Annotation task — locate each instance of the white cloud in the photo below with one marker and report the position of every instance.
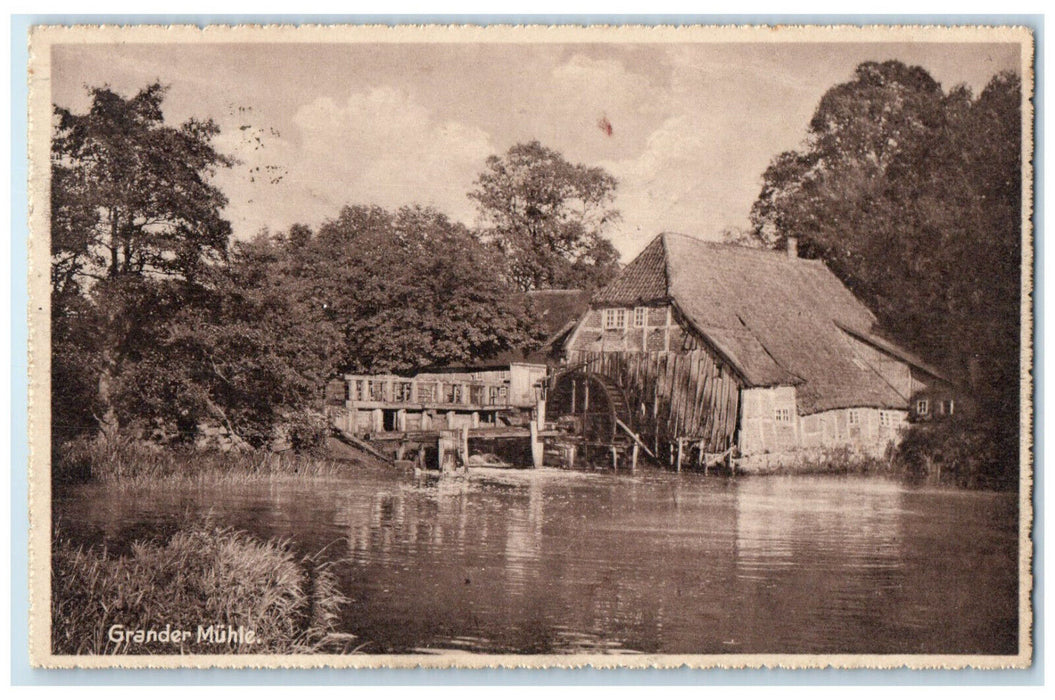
(375, 147)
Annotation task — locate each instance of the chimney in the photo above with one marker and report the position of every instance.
(793, 247)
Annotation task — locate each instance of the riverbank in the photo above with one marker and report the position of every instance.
(128, 462)
(204, 590)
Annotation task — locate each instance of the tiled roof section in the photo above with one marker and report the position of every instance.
(558, 309)
(643, 280)
(776, 319)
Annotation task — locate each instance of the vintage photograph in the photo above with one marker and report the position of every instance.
(531, 346)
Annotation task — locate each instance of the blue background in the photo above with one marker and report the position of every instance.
(23, 674)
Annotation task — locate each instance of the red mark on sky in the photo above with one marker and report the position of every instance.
(604, 125)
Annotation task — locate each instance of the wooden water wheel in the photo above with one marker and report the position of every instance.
(588, 407)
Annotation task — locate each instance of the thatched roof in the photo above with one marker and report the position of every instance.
(776, 320)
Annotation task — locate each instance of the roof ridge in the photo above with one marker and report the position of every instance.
(666, 263)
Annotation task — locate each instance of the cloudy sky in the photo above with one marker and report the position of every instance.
(693, 125)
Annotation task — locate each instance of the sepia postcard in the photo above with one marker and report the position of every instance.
(540, 346)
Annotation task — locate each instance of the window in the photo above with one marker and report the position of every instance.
(376, 387)
(783, 415)
(426, 392)
(402, 391)
(640, 317)
(614, 318)
(922, 407)
(853, 418)
(496, 395)
(358, 393)
(950, 407)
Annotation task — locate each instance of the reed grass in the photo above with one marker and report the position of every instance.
(124, 461)
(199, 577)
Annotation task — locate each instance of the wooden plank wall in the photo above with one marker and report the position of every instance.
(684, 394)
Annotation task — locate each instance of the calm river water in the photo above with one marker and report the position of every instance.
(553, 561)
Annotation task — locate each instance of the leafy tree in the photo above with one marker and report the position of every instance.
(131, 206)
(912, 196)
(548, 216)
(408, 289)
(249, 352)
(130, 194)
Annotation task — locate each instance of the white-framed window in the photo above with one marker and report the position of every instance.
(783, 415)
(922, 407)
(640, 316)
(853, 418)
(614, 318)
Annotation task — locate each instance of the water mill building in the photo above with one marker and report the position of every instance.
(713, 352)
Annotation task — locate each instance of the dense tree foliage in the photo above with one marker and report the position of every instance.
(912, 196)
(548, 216)
(130, 194)
(134, 222)
(156, 328)
(406, 289)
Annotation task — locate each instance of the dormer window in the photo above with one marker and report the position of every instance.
(640, 316)
(614, 319)
(923, 407)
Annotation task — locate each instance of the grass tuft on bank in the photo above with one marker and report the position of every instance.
(199, 578)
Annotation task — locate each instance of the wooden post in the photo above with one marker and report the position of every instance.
(476, 419)
(421, 456)
(401, 420)
(573, 383)
(633, 457)
(379, 420)
(439, 452)
(536, 445)
(615, 459)
(465, 446)
(571, 456)
(426, 420)
(450, 420)
(681, 447)
(540, 413)
(586, 395)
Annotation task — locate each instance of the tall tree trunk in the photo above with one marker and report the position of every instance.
(114, 268)
(108, 423)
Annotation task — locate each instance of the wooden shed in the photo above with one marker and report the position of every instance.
(725, 352)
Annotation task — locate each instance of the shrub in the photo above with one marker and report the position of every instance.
(967, 452)
(200, 577)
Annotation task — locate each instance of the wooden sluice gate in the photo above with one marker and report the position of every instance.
(570, 418)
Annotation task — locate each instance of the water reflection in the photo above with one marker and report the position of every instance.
(550, 561)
